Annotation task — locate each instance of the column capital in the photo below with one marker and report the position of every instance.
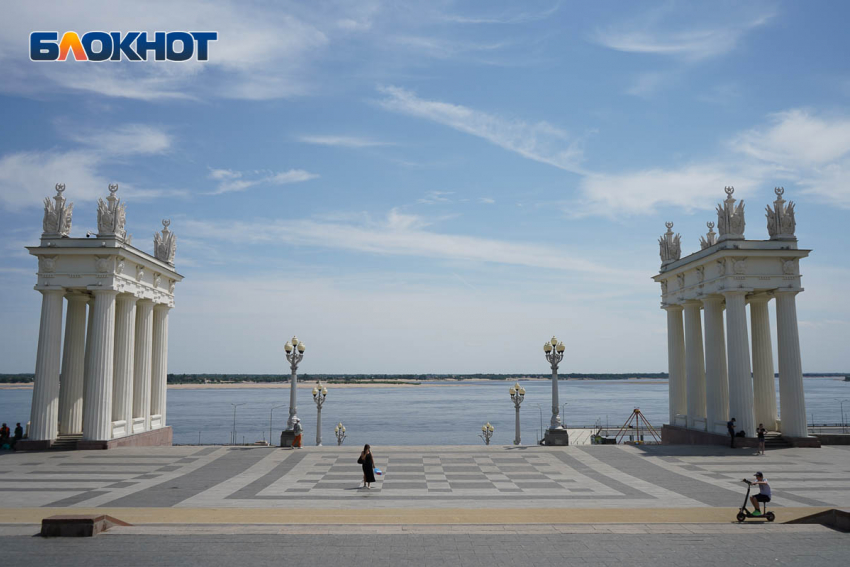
(97, 292)
(692, 303)
(712, 298)
(672, 307)
(162, 307)
(52, 290)
(126, 297)
(793, 291)
(734, 292)
(77, 296)
(762, 297)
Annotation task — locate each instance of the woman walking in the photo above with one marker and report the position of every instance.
(368, 464)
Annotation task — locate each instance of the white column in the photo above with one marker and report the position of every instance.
(676, 362)
(716, 376)
(695, 364)
(159, 362)
(122, 377)
(738, 353)
(87, 362)
(97, 412)
(45, 393)
(792, 403)
(142, 363)
(73, 366)
(764, 384)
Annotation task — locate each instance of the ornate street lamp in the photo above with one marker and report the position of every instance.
(487, 432)
(517, 396)
(233, 433)
(294, 353)
(340, 433)
(556, 434)
(319, 395)
(554, 351)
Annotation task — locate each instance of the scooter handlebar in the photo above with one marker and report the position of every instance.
(747, 481)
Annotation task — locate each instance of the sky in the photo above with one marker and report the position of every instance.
(431, 187)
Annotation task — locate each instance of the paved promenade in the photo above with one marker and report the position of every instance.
(422, 485)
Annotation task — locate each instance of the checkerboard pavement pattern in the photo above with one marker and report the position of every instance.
(436, 474)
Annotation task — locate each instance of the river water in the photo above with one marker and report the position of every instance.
(438, 413)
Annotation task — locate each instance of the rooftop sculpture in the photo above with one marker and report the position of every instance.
(730, 219)
(780, 220)
(710, 238)
(671, 248)
(57, 215)
(165, 244)
(111, 215)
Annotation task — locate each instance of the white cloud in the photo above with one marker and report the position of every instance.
(486, 200)
(405, 235)
(810, 151)
(796, 137)
(647, 83)
(129, 139)
(26, 177)
(503, 18)
(230, 181)
(693, 186)
(342, 141)
(538, 141)
(691, 44)
(442, 48)
(435, 197)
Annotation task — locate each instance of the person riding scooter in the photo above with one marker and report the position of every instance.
(762, 496)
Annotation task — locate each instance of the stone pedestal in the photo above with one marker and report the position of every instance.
(556, 438)
(287, 438)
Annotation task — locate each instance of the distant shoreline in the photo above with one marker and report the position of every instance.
(400, 383)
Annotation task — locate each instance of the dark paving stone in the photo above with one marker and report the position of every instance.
(643, 469)
(406, 468)
(205, 451)
(170, 468)
(251, 490)
(534, 484)
(461, 468)
(611, 483)
(72, 500)
(122, 484)
(387, 485)
(171, 493)
(147, 476)
(473, 485)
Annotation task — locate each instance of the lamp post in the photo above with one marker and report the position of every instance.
(294, 353)
(843, 421)
(517, 396)
(487, 432)
(319, 395)
(554, 351)
(271, 411)
(340, 433)
(233, 434)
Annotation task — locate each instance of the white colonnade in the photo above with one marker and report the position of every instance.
(114, 362)
(720, 369)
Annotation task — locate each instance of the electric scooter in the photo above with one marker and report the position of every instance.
(744, 513)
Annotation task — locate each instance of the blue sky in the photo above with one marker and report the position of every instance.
(433, 186)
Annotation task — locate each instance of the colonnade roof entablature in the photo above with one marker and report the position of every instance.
(106, 260)
(732, 263)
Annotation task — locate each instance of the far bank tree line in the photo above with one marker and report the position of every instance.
(380, 378)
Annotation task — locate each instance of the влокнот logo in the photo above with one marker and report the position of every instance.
(115, 46)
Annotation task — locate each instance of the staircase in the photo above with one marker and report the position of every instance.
(774, 440)
(66, 442)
